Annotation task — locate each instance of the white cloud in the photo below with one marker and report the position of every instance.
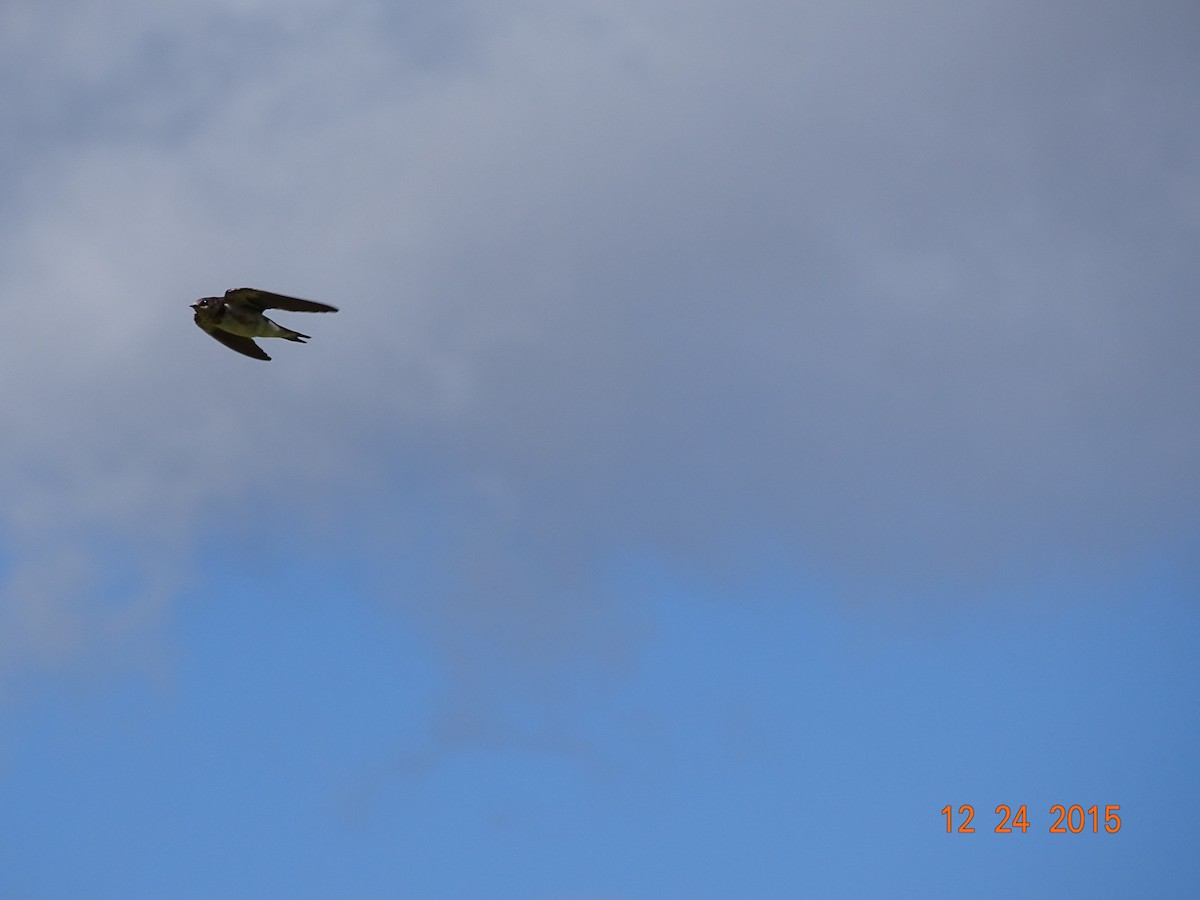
(620, 277)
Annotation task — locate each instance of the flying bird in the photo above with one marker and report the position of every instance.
(237, 318)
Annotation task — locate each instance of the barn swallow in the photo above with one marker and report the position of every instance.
(238, 316)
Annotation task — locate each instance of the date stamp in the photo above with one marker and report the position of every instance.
(1072, 819)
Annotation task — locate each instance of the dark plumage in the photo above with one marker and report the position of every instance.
(237, 318)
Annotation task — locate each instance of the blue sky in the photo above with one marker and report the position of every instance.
(747, 429)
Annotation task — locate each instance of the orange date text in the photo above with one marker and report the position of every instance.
(1074, 819)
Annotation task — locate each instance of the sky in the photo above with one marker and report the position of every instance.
(747, 430)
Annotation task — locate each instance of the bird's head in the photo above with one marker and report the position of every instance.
(209, 309)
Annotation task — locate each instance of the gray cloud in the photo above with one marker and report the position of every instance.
(902, 293)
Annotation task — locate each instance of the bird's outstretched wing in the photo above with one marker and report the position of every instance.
(236, 342)
(261, 300)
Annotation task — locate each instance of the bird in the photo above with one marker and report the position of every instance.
(237, 318)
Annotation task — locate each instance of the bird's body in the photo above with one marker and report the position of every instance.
(237, 318)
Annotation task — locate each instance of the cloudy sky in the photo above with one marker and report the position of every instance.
(748, 429)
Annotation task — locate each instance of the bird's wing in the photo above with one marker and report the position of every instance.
(261, 300)
(243, 345)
